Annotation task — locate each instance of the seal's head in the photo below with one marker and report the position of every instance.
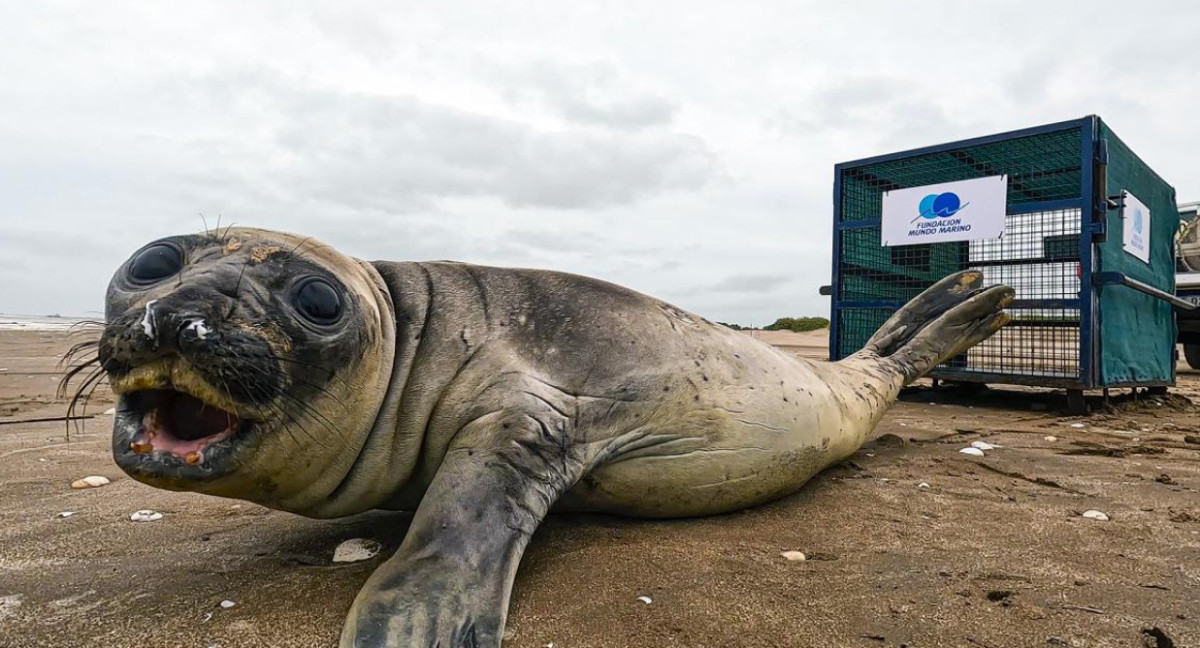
(245, 364)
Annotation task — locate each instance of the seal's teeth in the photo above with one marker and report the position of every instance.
(193, 458)
(141, 447)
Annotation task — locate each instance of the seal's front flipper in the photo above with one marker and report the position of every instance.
(448, 584)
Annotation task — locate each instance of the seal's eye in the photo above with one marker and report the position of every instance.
(156, 262)
(318, 301)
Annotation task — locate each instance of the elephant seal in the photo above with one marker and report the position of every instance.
(268, 367)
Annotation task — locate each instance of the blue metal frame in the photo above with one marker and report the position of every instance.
(1088, 353)
(837, 255)
(950, 146)
(1086, 203)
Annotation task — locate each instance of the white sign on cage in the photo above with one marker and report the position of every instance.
(966, 210)
(1135, 235)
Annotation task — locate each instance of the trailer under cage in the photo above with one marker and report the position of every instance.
(1064, 213)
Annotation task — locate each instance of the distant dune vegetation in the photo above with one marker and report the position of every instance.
(797, 324)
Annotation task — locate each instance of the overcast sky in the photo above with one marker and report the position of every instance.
(684, 149)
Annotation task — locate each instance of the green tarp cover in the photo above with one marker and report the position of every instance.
(1137, 331)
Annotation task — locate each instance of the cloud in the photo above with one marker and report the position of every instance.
(750, 283)
(542, 240)
(590, 94)
(400, 153)
(889, 109)
(685, 150)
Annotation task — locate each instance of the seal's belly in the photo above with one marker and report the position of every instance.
(714, 459)
(701, 483)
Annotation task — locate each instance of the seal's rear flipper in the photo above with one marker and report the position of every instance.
(950, 317)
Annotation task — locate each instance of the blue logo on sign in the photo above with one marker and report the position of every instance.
(943, 205)
(1137, 221)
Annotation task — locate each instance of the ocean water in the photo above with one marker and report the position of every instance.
(38, 322)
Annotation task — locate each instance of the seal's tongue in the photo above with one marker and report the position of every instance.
(181, 424)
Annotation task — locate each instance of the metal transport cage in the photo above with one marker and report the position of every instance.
(1088, 313)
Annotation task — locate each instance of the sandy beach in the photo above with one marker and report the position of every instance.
(991, 552)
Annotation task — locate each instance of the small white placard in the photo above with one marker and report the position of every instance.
(1135, 239)
(966, 210)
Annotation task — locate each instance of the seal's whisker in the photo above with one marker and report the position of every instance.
(95, 384)
(79, 349)
(85, 326)
(258, 391)
(92, 365)
(81, 358)
(254, 390)
(294, 422)
(304, 363)
(310, 240)
(312, 413)
(320, 390)
(299, 424)
(306, 383)
(302, 242)
(93, 379)
(299, 362)
(238, 285)
(78, 358)
(309, 411)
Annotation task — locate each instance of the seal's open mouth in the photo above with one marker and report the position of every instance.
(173, 422)
(174, 427)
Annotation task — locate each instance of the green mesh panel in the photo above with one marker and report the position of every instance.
(857, 325)
(872, 272)
(1137, 331)
(1040, 168)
